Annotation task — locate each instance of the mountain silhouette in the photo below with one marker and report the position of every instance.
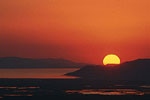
(137, 70)
(16, 62)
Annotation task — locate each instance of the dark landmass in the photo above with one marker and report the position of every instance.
(132, 77)
(137, 70)
(16, 62)
(55, 89)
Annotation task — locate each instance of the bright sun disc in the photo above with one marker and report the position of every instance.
(111, 59)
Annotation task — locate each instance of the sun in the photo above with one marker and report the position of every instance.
(111, 59)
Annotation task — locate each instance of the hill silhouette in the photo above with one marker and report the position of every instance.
(16, 62)
(137, 70)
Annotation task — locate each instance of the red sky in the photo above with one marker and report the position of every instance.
(79, 30)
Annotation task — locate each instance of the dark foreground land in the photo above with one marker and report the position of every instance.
(72, 89)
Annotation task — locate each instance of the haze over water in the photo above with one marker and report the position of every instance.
(51, 73)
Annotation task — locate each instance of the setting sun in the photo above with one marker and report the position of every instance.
(111, 59)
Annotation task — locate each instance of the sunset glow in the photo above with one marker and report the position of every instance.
(83, 49)
(79, 30)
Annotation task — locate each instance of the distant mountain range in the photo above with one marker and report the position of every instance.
(16, 62)
(137, 70)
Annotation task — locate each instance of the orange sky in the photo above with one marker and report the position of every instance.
(80, 30)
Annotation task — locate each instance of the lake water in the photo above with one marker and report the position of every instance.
(42, 73)
(35, 85)
(109, 91)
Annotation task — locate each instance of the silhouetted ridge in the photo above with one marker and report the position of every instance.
(16, 62)
(133, 70)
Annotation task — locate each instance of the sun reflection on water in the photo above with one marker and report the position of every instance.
(107, 91)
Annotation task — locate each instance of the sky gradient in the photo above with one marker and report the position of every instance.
(79, 30)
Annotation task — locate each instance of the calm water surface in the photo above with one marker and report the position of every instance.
(109, 91)
(52, 73)
(32, 87)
